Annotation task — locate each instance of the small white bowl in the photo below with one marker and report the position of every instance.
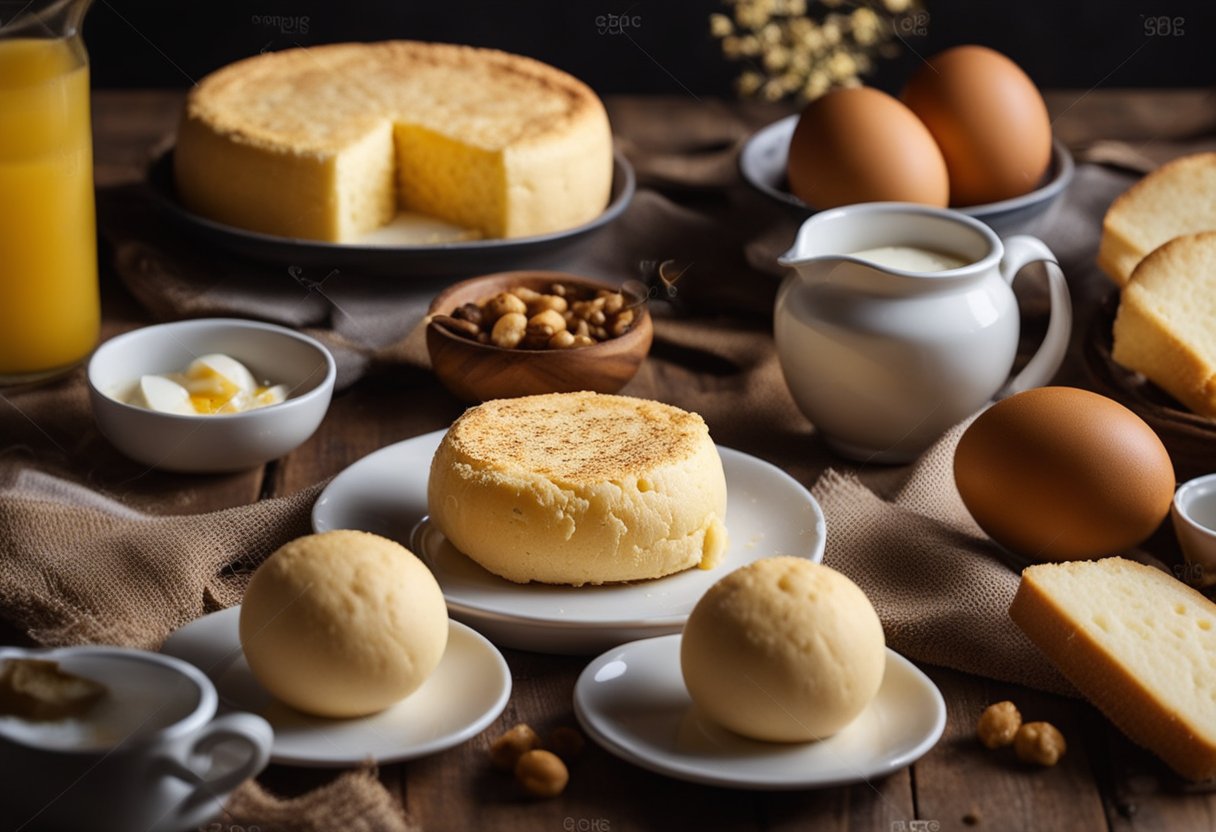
(1194, 514)
(214, 443)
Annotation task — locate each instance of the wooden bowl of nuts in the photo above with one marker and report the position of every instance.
(527, 332)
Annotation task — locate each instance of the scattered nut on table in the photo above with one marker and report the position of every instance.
(1039, 742)
(541, 773)
(565, 742)
(998, 724)
(508, 748)
(562, 317)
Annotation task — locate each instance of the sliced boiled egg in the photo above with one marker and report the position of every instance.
(265, 396)
(219, 384)
(163, 395)
(214, 383)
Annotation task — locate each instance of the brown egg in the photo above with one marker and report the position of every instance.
(988, 119)
(861, 145)
(1058, 473)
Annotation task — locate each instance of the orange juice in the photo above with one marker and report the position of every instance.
(49, 307)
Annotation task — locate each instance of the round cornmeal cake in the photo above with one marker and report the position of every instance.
(329, 142)
(580, 488)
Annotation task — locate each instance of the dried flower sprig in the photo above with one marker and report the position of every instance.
(787, 53)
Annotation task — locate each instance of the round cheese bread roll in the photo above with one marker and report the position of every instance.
(343, 624)
(783, 650)
(580, 488)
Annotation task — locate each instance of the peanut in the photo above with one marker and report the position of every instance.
(509, 330)
(509, 747)
(528, 296)
(541, 773)
(998, 724)
(563, 340)
(586, 316)
(469, 312)
(546, 323)
(1039, 742)
(504, 303)
(613, 303)
(555, 302)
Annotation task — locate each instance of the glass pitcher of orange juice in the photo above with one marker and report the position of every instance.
(49, 307)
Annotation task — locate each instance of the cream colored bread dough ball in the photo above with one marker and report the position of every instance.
(580, 488)
(783, 650)
(343, 624)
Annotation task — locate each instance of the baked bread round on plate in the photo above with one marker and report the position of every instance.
(580, 488)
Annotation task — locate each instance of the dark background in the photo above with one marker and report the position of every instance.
(667, 48)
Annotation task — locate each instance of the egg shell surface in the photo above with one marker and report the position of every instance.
(859, 144)
(1058, 473)
(989, 120)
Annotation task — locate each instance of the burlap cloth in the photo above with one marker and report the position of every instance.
(80, 566)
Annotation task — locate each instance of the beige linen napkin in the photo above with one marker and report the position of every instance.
(941, 588)
(81, 568)
(354, 802)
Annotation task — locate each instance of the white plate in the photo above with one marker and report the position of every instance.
(768, 513)
(467, 691)
(632, 701)
(762, 163)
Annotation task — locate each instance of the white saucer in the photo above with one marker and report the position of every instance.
(768, 513)
(467, 691)
(632, 701)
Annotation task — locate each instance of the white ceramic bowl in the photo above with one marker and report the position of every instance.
(208, 444)
(1194, 516)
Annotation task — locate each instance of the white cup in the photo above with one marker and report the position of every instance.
(151, 756)
(1194, 514)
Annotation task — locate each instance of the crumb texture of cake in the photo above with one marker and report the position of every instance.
(1164, 326)
(328, 142)
(580, 488)
(1173, 200)
(1140, 644)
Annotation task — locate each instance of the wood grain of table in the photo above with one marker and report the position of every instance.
(1103, 782)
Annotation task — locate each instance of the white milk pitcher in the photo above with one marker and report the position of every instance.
(900, 321)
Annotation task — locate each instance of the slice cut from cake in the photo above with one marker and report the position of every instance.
(1166, 324)
(580, 488)
(1140, 644)
(1177, 198)
(329, 142)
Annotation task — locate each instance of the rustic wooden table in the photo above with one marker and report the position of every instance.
(1103, 783)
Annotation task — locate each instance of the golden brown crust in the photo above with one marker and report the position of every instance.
(580, 488)
(1106, 682)
(353, 86)
(1122, 245)
(1147, 341)
(578, 437)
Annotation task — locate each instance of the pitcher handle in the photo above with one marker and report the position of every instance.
(206, 799)
(1020, 251)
